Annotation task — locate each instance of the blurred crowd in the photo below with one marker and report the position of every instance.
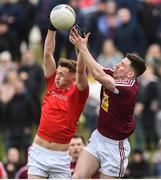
(117, 27)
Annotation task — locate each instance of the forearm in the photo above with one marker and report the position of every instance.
(81, 76)
(81, 65)
(49, 46)
(97, 70)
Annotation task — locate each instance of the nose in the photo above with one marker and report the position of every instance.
(57, 77)
(117, 65)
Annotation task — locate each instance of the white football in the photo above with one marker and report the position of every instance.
(62, 17)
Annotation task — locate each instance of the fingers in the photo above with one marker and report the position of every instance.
(73, 39)
(76, 39)
(87, 35)
(73, 36)
(74, 32)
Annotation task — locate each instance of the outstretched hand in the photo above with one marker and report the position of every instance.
(77, 40)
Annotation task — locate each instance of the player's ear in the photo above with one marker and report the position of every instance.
(74, 77)
(131, 74)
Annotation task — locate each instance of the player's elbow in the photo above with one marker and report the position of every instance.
(107, 81)
(97, 76)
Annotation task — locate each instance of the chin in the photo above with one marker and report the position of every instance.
(57, 85)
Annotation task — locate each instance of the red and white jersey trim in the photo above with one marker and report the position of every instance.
(123, 82)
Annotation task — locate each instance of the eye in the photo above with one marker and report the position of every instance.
(61, 74)
(123, 64)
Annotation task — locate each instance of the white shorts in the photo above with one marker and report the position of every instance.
(47, 163)
(112, 155)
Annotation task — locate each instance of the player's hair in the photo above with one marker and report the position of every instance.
(137, 63)
(68, 63)
(76, 136)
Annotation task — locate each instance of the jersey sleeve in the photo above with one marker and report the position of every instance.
(84, 94)
(108, 71)
(50, 79)
(126, 88)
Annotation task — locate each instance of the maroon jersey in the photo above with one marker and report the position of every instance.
(116, 119)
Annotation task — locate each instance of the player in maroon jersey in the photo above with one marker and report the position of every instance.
(108, 147)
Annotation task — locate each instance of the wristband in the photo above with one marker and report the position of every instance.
(116, 91)
(51, 27)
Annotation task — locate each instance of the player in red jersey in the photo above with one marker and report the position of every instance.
(66, 95)
(108, 147)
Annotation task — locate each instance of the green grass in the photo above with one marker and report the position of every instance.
(2, 149)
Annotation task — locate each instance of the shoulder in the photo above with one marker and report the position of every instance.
(76, 89)
(127, 87)
(125, 82)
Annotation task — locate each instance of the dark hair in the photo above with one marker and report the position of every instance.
(137, 151)
(137, 63)
(68, 63)
(76, 136)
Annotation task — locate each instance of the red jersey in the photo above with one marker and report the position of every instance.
(116, 120)
(61, 110)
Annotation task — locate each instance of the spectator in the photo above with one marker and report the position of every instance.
(130, 33)
(7, 39)
(12, 164)
(157, 161)
(149, 83)
(3, 174)
(5, 64)
(27, 10)
(153, 56)
(19, 118)
(32, 75)
(138, 167)
(11, 13)
(75, 147)
(149, 19)
(110, 56)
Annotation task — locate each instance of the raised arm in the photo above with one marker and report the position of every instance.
(49, 48)
(95, 68)
(81, 75)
